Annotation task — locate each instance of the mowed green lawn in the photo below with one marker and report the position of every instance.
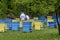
(45, 34)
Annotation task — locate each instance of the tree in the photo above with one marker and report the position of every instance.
(58, 14)
(3, 9)
(33, 7)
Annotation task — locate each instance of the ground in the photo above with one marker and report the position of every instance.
(45, 34)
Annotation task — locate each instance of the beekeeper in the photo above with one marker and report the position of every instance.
(22, 16)
(27, 17)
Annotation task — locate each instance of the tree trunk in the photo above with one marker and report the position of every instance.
(58, 16)
(59, 28)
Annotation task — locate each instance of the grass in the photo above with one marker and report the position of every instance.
(46, 34)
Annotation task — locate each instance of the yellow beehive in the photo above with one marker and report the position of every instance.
(2, 27)
(36, 18)
(18, 19)
(21, 24)
(14, 20)
(50, 20)
(37, 25)
(49, 17)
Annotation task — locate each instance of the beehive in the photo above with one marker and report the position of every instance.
(2, 27)
(37, 25)
(27, 26)
(51, 24)
(20, 24)
(15, 26)
(49, 17)
(14, 20)
(59, 20)
(50, 20)
(18, 19)
(35, 18)
(9, 25)
(7, 20)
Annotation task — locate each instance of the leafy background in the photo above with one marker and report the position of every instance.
(33, 8)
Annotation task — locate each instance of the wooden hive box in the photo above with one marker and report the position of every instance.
(2, 27)
(37, 25)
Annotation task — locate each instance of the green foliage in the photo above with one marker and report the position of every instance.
(3, 9)
(30, 7)
(33, 7)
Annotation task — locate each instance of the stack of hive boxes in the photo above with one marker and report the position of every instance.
(50, 22)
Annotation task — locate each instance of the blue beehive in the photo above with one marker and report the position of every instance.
(15, 25)
(51, 24)
(2, 21)
(59, 20)
(43, 19)
(54, 17)
(27, 26)
(8, 20)
(9, 24)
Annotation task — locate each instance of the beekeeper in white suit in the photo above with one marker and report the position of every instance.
(27, 17)
(22, 16)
